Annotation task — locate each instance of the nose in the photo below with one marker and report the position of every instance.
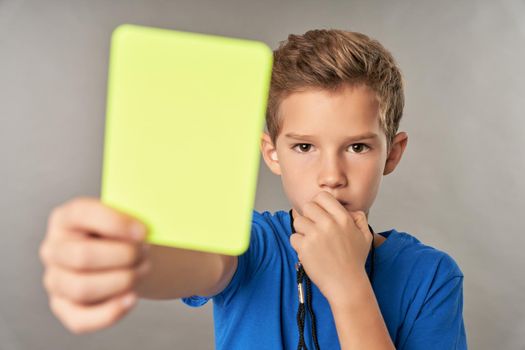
(332, 174)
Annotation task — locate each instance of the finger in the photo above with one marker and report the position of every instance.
(332, 206)
(82, 319)
(89, 288)
(89, 254)
(313, 211)
(303, 225)
(89, 215)
(296, 241)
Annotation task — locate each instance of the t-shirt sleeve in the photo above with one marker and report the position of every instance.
(439, 324)
(247, 264)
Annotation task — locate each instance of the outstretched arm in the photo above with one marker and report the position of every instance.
(177, 273)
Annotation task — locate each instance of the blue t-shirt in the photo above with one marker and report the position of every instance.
(419, 290)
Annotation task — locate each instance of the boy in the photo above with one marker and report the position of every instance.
(314, 277)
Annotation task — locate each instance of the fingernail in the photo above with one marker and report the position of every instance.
(138, 231)
(129, 300)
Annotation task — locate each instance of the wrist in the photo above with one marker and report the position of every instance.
(351, 292)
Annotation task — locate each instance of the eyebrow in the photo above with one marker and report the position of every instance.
(368, 135)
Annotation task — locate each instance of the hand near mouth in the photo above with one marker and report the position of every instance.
(332, 243)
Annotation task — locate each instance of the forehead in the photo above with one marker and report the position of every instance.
(350, 109)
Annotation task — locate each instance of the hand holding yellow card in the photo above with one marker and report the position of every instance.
(185, 112)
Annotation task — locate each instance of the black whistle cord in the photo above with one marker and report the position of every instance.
(301, 275)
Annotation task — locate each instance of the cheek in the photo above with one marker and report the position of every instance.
(294, 169)
(365, 180)
(295, 185)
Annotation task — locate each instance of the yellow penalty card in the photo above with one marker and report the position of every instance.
(185, 112)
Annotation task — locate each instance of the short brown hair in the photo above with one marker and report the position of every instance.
(327, 59)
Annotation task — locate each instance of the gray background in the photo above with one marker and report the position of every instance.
(457, 187)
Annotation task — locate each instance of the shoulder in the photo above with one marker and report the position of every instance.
(268, 231)
(426, 275)
(426, 258)
(270, 225)
(268, 218)
(261, 256)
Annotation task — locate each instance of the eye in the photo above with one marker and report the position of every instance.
(303, 147)
(358, 147)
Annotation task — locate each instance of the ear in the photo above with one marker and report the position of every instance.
(269, 153)
(396, 151)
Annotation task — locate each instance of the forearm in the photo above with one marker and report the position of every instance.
(358, 318)
(177, 273)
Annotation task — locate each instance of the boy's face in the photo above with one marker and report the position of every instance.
(345, 153)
